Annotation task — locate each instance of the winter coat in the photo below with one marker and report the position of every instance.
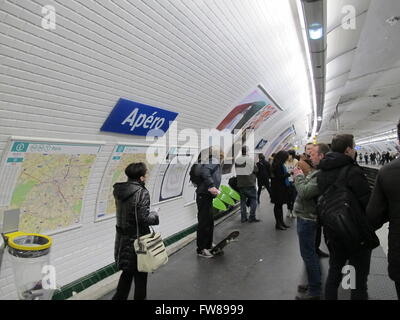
(263, 174)
(211, 176)
(307, 192)
(279, 188)
(357, 182)
(384, 206)
(125, 195)
(246, 171)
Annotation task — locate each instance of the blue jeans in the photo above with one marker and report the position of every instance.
(306, 230)
(251, 193)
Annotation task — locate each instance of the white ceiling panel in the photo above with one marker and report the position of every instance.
(341, 40)
(338, 11)
(340, 65)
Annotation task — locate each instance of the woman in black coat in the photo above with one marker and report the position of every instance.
(128, 196)
(279, 187)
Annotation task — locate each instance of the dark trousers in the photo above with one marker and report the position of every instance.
(278, 213)
(260, 185)
(398, 289)
(361, 263)
(205, 218)
(248, 194)
(125, 283)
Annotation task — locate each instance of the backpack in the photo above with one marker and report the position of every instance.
(194, 173)
(343, 219)
(233, 183)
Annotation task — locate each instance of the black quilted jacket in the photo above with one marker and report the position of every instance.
(128, 195)
(384, 206)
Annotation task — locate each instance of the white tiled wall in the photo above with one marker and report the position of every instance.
(196, 57)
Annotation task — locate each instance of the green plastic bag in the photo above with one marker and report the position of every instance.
(230, 192)
(218, 204)
(226, 198)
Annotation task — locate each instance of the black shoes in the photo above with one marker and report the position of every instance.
(277, 227)
(254, 220)
(285, 226)
(244, 220)
(322, 254)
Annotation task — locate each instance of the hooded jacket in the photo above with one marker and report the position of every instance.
(129, 195)
(330, 168)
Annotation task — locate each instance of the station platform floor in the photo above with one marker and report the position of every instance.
(264, 264)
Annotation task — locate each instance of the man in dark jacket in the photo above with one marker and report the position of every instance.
(131, 199)
(342, 155)
(210, 173)
(384, 206)
(263, 175)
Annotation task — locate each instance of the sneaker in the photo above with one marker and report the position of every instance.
(307, 297)
(302, 288)
(212, 246)
(205, 253)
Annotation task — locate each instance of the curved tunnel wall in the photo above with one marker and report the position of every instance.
(196, 58)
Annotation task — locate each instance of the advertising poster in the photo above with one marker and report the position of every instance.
(171, 175)
(279, 141)
(252, 111)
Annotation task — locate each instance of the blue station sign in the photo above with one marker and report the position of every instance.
(129, 117)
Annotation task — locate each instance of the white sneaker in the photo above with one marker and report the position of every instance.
(205, 253)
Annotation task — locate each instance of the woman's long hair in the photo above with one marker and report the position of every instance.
(279, 159)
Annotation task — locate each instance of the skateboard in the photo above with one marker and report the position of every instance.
(217, 250)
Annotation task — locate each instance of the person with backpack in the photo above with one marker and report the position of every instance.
(246, 171)
(206, 176)
(345, 191)
(384, 206)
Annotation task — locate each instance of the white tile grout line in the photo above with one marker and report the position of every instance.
(105, 286)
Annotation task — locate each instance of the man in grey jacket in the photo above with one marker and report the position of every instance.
(384, 206)
(305, 209)
(246, 171)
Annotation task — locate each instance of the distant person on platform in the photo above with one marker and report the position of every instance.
(384, 206)
(290, 164)
(279, 188)
(263, 175)
(128, 196)
(246, 170)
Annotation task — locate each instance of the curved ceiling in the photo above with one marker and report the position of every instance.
(363, 69)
